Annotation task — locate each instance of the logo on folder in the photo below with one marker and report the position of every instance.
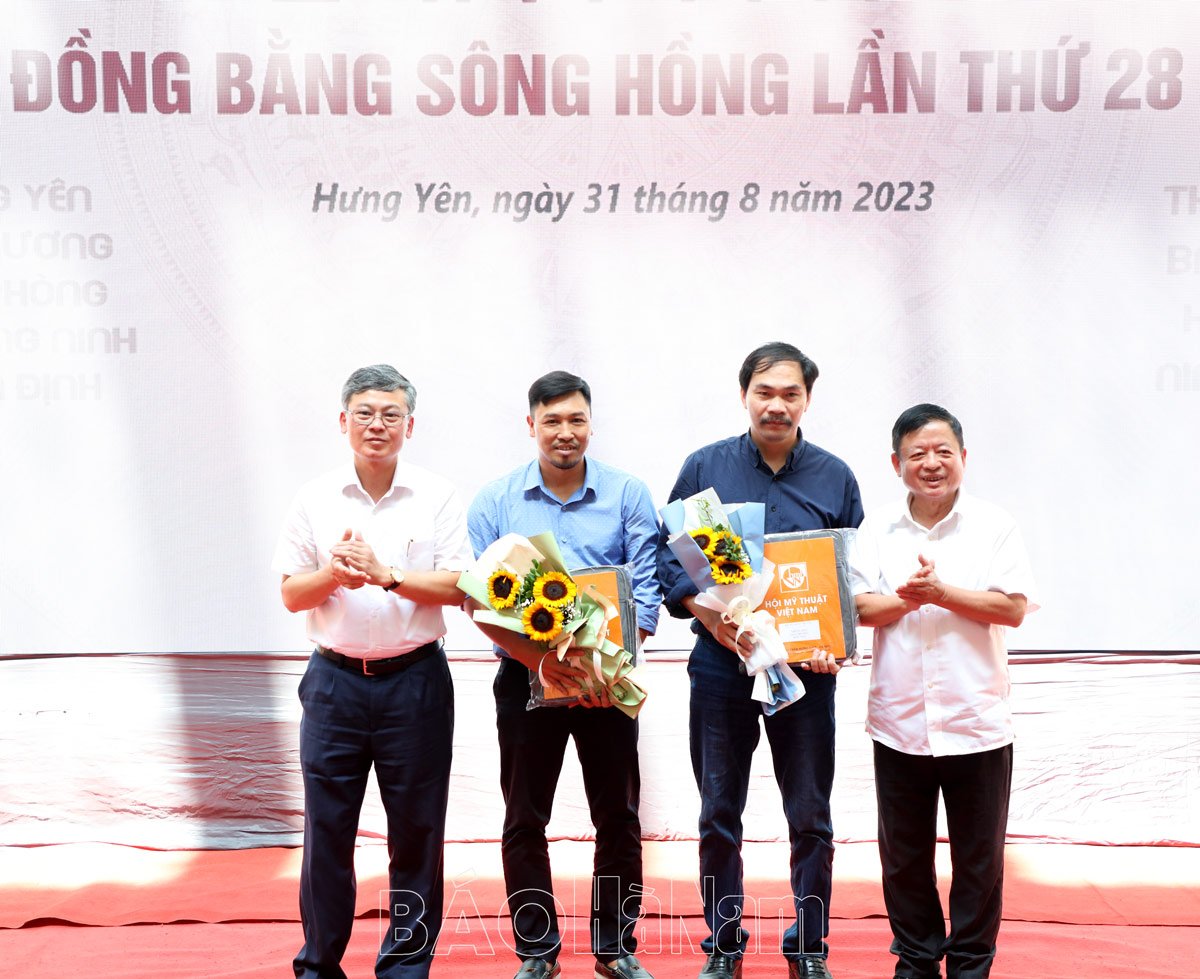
(793, 577)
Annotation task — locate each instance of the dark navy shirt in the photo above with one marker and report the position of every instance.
(814, 490)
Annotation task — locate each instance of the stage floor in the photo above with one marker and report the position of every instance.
(263, 950)
(113, 912)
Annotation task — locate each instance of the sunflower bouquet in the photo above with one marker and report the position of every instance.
(524, 587)
(728, 562)
(545, 599)
(721, 550)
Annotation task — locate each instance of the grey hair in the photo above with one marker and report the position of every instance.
(379, 377)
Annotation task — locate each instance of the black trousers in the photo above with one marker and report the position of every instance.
(975, 789)
(725, 724)
(532, 746)
(403, 725)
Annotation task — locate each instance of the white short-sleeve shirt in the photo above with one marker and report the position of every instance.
(939, 681)
(418, 525)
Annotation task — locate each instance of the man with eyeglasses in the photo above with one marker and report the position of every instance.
(371, 552)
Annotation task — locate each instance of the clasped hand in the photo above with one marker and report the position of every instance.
(924, 587)
(574, 679)
(354, 563)
(725, 632)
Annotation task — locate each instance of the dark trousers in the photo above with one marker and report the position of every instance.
(975, 789)
(403, 724)
(724, 731)
(532, 746)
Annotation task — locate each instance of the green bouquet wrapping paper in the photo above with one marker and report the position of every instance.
(524, 587)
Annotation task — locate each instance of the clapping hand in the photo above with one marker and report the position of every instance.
(924, 587)
(352, 559)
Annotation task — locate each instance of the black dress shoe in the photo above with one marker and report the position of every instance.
(721, 966)
(808, 967)
(538, 969)
(626, 967)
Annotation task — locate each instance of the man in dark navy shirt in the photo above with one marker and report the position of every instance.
(803, 488)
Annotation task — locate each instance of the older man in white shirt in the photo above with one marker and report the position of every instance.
(372, 552)
(940, 575)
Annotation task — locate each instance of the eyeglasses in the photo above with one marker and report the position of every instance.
(391, 418)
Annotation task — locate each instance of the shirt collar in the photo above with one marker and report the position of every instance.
(351, 483)
(962, 507)
(533, 481)
(755, 456)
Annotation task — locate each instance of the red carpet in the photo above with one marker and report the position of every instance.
(109, 912)
(261, 950)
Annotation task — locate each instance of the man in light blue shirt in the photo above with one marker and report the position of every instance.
(599, 516)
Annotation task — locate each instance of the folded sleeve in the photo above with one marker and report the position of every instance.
(1009, 571)
(452, 548)
(296, 549)
(641, 539)
(863, 555)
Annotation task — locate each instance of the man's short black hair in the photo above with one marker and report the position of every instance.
(917, 417)
(554, 385)
(770, 354)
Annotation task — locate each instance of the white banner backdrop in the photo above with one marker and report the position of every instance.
(210, 213)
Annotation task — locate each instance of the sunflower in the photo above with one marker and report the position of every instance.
(502, 589)
(703, 537)
(727, 572)
(729, 546)
(554, 589)
(718, 545)
(542, 622)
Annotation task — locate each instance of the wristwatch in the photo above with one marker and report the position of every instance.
(397, 579)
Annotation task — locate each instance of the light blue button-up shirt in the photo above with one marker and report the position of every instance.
(610, 519)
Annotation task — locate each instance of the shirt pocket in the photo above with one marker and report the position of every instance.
(421, 554)
(413, 545)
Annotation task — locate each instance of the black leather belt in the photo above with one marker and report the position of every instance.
(382, 667)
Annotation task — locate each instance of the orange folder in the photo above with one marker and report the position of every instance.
(613, 584)
(810, 593)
